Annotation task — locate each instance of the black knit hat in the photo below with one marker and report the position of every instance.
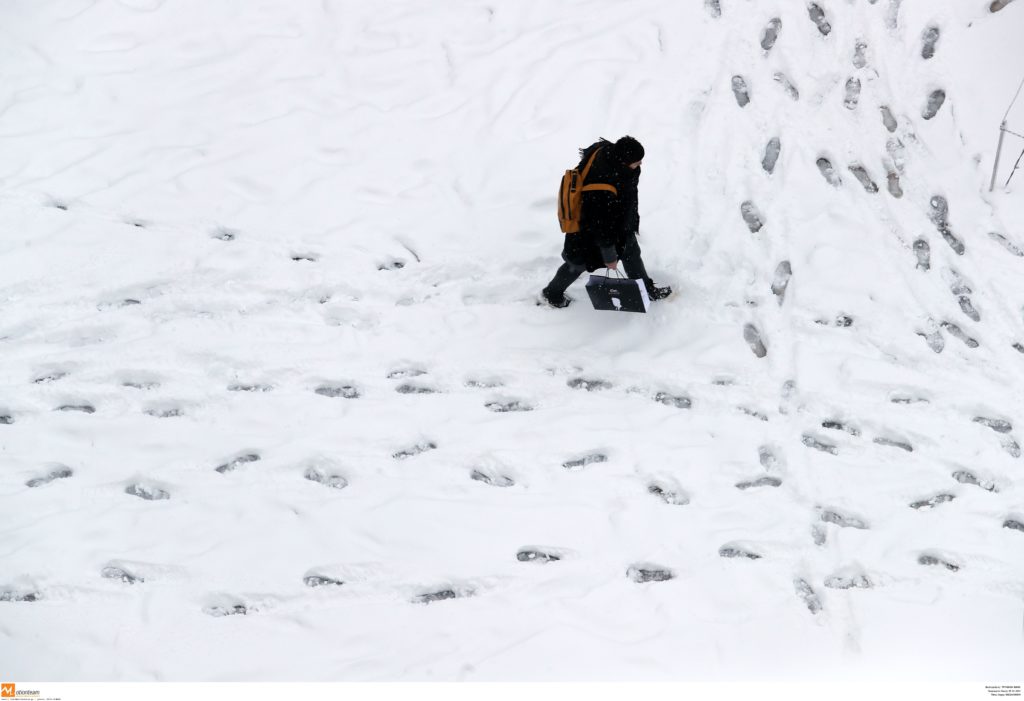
(629, 150)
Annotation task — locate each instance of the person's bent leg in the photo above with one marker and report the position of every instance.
(636, 270)
(564, 276)
(633, 262)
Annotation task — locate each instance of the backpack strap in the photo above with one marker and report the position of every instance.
(595, 186)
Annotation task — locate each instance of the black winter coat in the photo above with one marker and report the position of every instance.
(606, 221)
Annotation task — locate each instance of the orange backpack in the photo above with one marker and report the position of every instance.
(570, 195)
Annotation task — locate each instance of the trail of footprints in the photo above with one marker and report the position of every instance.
(668, 494)
(671, 496)
(892, 165)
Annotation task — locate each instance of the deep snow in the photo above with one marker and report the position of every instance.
(217, 215)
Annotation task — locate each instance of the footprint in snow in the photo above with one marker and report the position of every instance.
(643, 573)
(759, 415)
(841, 321)
(247, 387)
(147, 492)
(484, 383)
(394, 264)
(751, 216)
(740, 90)
(1010, 446)
(938, 210)
(997, 425)
(1014, 524)
(863, 178)
(504, 407)
(937, 561)
(767, 457)
(579, 463)
(842, 520)
(771, 33)
(122, 574)
(828, 172)
(82, 408)
(787, 85)
(538, 555)
(417, 449)
(315, 580)
(328, 479)
(892, 179)
(57, 472)
(851, 94)
(967, 307)
(590, 385)
(118, 304)
(22, 595)
(759, 482)
(780, 281)
(807, 594)
(406, 373)
(819, 444)
(235, 463)
(430, 597)
(932, 502)
(144, 385)
(713, 7)
(222, 610)
(224, 234)
(929, 38)
(958, 333)
(846, 581)
(305, 257)
(817, 16)
(771, 154)
(494, 480)
(966, 477)
(677, 401)
(1006, 243)
(934, 339)
(753, 338)
(6, 419)
(668, 495)
(819, 535)
(164, 412)
(859, 54)
(935, 101)
(737, 551)
(412, 388)
(888, 119)
(949, 237)
(834, 425)
(48, 377)
(344, 391)
(894, 443)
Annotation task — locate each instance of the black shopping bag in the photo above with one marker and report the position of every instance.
(618, 294)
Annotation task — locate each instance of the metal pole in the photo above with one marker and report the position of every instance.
(999, 149)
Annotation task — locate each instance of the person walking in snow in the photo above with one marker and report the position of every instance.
(609, 221)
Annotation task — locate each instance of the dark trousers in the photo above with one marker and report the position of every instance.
(629, 257)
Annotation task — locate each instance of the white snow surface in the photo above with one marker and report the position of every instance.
(203, 198)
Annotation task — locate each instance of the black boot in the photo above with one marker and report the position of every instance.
(654, 292)
(556, 301)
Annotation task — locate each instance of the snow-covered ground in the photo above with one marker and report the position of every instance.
(267, 320)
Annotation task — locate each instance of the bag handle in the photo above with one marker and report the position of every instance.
(618, 273)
